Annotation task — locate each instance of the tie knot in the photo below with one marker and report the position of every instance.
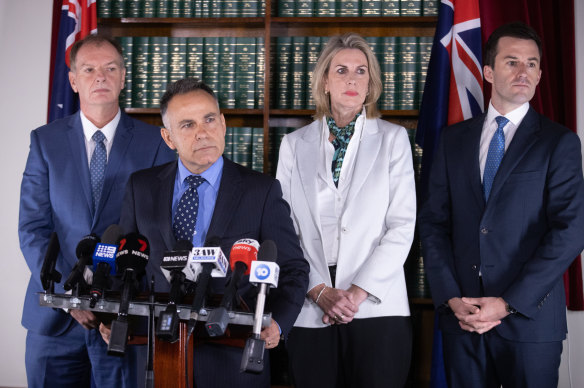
(194, 180)
(98, 136)
(501, 121)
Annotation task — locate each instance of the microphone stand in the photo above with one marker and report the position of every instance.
(150, 356)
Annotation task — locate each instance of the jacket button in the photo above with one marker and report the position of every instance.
(484, 230)
(474, 267)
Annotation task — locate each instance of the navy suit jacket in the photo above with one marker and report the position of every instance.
(249, 205)
(522, 240)
(56, 196)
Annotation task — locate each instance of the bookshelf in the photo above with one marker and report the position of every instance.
(271, 26)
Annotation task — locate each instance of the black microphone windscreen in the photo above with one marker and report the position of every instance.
(183, 245)
(86, 246)
(133, 253)
(268, 251)
(112, 234)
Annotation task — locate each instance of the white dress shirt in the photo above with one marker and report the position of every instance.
(109, 131)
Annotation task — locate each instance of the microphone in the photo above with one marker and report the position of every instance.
(243, 252)
(131, 261)
(173, 265)
(84, 252)
(206, 262)
(264, 272)
(104, 258)
(49, 275)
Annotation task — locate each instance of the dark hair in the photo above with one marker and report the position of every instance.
(518, 30)
(97, 40)
(183, 86)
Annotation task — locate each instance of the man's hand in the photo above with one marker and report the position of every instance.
(105, 332)
(85, 318)
(478, 314)
(271, 335)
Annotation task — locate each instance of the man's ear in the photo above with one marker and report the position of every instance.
(73, 81)
(165, 133)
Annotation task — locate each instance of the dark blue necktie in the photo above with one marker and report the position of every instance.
(97, 167)
(185, 217)
(495, 155)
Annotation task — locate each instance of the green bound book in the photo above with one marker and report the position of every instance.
(228, 151)
(230, 9)
(215, 8)
(226, 86)
(119, 8)
(177, 49)
(284, 72)
(126, 94)
(390, 7)
(298, 72)
(158, 70)
(104, 8)
(197, 9)
(325, 8)
(242, 150)
(245, 73)
(162, 8)
(188, 8)
(248, 8)
(149, 8)
(134, 8)
(430, 7)
(407, 75)
(410, 8)
(313, 47)
(388, 67)
(195, 48)
(262, 8)
(348, 7)
(304, 8)
(371, 7)
(206, 8)
(286, 8)
(140, 59)
(425, 49)
(175, 8)
(211, 63)
(259, 76)
(257, 149)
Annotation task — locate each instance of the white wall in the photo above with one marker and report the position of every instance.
(571, 371)
(25, 36)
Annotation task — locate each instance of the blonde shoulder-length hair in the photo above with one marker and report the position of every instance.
(335, 44)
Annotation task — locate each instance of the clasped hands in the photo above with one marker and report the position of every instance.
(478, 315)
(339, 306)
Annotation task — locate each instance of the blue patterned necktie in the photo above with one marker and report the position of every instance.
(185, 217)
(495, 155)
(97, 167)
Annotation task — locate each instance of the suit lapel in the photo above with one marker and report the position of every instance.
(228, 199)
(523, 140)
(470, 148)
(162, 200)
(78, 154)
(366, 157)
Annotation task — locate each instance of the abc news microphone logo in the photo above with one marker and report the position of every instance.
(264, 272)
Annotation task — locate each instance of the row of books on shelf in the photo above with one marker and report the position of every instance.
(232, 66)
(245, 145)
(287, 8)
(179, 8)
(403, 61)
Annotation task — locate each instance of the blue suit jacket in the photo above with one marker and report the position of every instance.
(249, 205)
(56, 196)
(522, 240)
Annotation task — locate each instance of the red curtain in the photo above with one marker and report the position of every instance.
(556, 95)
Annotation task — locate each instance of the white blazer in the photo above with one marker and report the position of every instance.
(377, 223)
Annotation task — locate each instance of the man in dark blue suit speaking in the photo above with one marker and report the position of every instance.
(503, 221)
(73, 185)
(232, 202)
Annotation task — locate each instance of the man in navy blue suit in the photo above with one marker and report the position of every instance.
(233, 203)
(503, 221)
(59, 194)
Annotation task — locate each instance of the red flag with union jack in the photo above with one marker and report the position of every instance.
(78, 18)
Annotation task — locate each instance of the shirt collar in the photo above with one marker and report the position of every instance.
(515, 116)
(211, 175)
(109, 130)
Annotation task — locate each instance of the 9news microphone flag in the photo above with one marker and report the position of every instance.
(453, 92)
(78, 19)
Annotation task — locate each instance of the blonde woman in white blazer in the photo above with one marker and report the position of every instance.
(355, 219)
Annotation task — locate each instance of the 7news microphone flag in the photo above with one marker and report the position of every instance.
(453, 92)
(78, 18)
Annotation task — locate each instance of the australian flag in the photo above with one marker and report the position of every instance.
(453, 92)
(78, 19)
